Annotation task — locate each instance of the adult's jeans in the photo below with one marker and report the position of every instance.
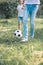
(29, 10)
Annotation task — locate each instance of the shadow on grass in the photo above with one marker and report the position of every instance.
(39, 34)
(5, 23)
(41, 63)
(9, 40)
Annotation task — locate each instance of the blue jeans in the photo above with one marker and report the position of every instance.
(20, 19)
(29, 10)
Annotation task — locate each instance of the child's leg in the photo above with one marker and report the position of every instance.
(20, 21)
(32, 17)
(19, 27)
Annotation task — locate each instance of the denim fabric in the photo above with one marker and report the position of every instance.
(20, 19)
(29, 10)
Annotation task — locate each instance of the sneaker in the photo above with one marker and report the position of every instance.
(32, 37)
(24, 40)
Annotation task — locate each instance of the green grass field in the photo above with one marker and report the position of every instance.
(15, 53)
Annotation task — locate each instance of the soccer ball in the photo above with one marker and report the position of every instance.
(18, 34)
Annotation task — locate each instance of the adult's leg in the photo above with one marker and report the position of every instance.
(25, 22)
(32, 17)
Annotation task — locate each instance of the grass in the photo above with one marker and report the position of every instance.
(15, 53)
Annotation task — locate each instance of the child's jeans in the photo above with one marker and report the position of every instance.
(29, 10)
(20, 19)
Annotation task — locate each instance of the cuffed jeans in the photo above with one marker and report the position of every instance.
(20, 19)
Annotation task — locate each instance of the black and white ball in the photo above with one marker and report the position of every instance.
(18, 34)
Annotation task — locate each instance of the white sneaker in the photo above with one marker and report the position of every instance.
(24, 40)
(32, 36)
